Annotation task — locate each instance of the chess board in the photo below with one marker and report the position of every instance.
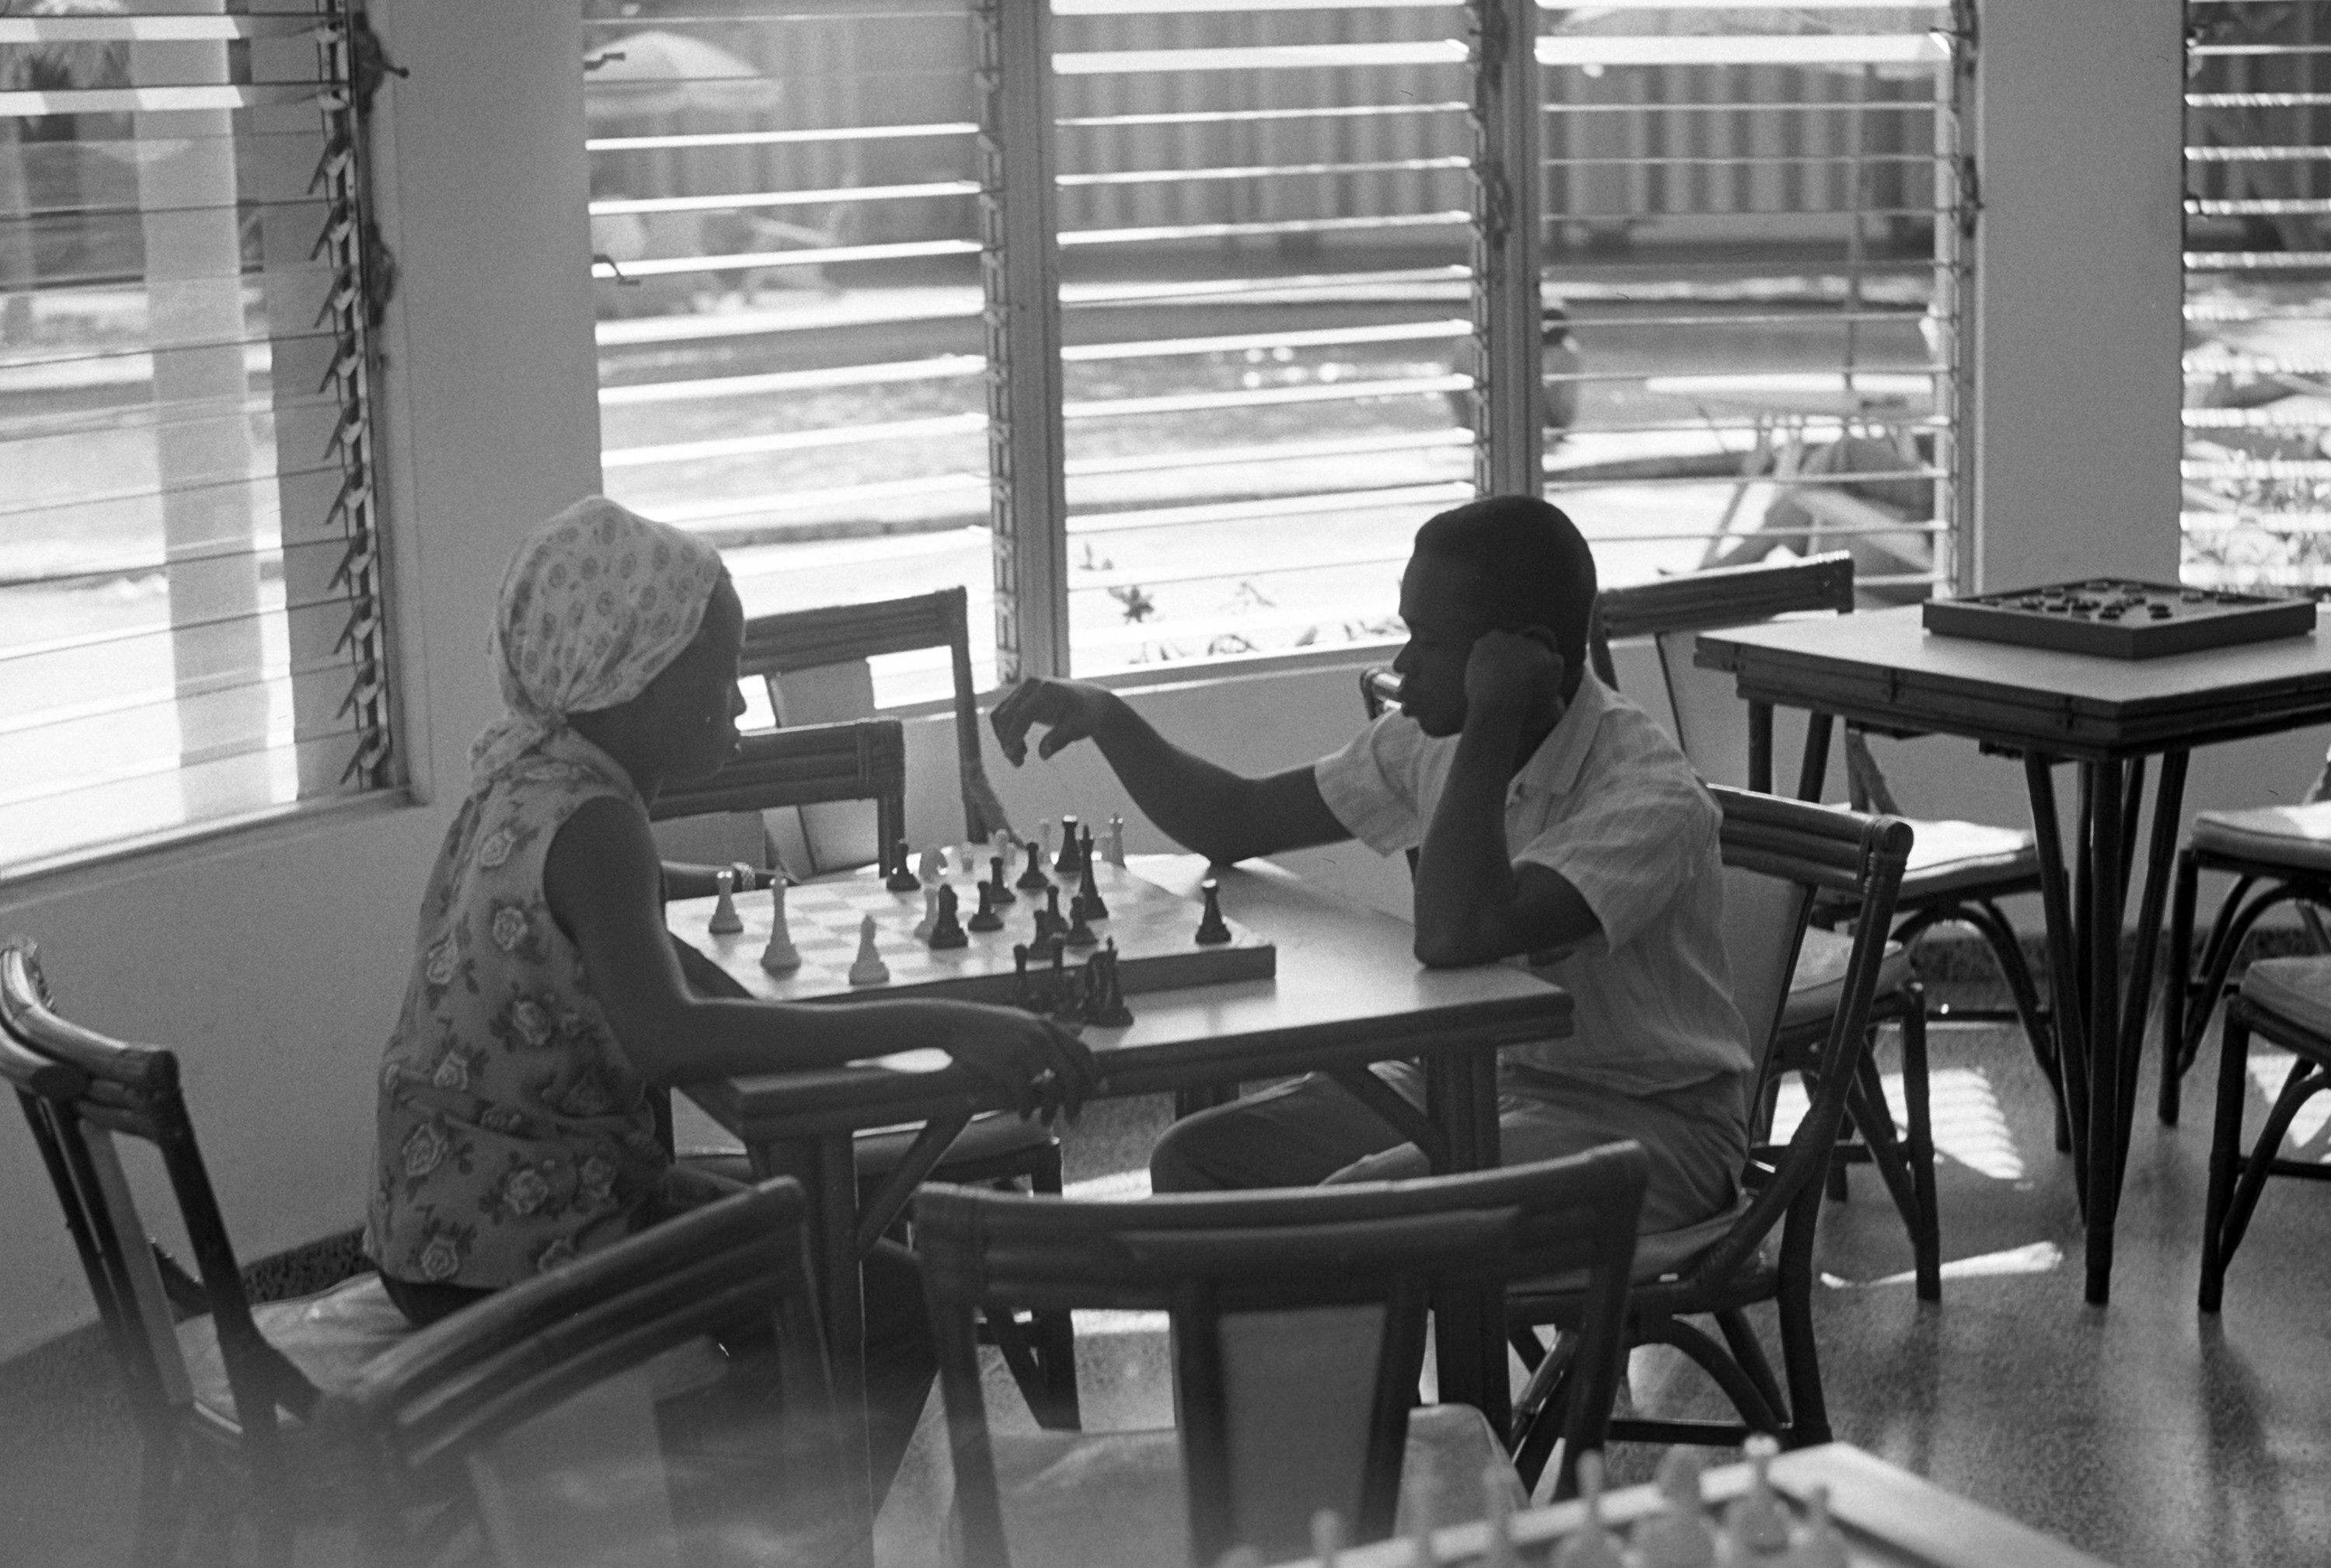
(2119, 618)
(1154, 931)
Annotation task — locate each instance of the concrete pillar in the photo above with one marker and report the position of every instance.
(2080, 117)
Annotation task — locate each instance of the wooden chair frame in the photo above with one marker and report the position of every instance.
(2189, 996)
(80, 1090)
(1820, 849)
(1202, 1254)
(2236, 1181)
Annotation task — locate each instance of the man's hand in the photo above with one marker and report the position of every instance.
(1069, 711)
(1047, 1070)
(1509, 672)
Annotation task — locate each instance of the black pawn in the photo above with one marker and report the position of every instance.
(1212, 931)
(986, 919)
(1023, 994)
(902, 878)
(948, 930)
(1033, 880)
(1049, 923)
(1066, 864)
(1064, 990)
(1110, 1010)
(1081, 931)
(997, 885)
(1089, 891)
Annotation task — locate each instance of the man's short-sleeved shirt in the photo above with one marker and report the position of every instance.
(1611, 805)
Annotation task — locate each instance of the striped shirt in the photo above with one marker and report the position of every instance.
(1609, 804)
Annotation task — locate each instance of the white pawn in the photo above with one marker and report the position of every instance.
(1821, 1546)
(1677, 1536)
(929, 867)
(1113, 851)
(1591, 1546)
(1420, 1524)
(724, 921)
(869, 969)
(1754, 1522)
(1497, 1552)
(930, 920)
(780, 956)
(1327, 1538)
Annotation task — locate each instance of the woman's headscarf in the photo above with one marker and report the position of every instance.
(595, 604)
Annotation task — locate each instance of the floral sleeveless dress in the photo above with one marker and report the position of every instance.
(512, 1133)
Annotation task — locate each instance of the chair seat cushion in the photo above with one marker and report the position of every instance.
(1948, 857)
(1077, 1499)
(1660, 1256)
(328, 1337)
(2298, 989)
(1819, 983)
(2297, 836)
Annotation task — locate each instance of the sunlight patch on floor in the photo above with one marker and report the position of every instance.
(2039, 1257)
(2307, 1139)
(1968, 1125)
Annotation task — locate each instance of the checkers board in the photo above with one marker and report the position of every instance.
(1155, 930)
(2119, 618)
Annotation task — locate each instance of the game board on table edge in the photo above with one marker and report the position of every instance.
(2120, 618)
(1154, 931)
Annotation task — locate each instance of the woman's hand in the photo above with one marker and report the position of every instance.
(1046, 1070)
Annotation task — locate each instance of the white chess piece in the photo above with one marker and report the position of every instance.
(1755, 1521)
(929, 867)
(1821, 1546)
(724, 921)
(1113, 851)
(780, 956)
(1591, 1544)
(1497, 1552)
(1327, 1538)
(1420, 1524)
(1677, 1536)
(869, 969)
(930, 920)
(1045, 827)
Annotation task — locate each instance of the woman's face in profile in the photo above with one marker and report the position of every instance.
(696, 695)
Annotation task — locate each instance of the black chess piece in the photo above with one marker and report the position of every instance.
(1109, 1009)
(1212, 930)
(1080, 933)
(1065, 1008)
(902, 878)
(947, 932)
(1049, 923)
(1066, 863)
(1023, 993)
(1089, 891)
(986, 919)
(1033, 880)
(1084, 850)
(1001, 889)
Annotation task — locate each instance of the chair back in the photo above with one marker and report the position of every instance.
(1298, 1322)
(863, 760)
(82, 1091)
(842, 637)
(533, 1413)
(1778, 853)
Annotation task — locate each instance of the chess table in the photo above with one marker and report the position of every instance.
(1346, 990)
(2105, 717)
(1888, 1518)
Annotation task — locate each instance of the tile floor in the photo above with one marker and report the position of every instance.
(2140, 1432)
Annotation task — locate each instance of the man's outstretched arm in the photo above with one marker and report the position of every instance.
(1200, 805)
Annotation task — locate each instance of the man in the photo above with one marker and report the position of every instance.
(1552, 817)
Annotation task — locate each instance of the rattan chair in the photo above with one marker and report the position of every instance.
(2289, 1002)
(1778, 855)
(1297, 1320)
(221, 1388)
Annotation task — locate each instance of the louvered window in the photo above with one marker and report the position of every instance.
(191, 627)
(2258, 313)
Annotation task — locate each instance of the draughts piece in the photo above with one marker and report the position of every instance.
(1591, 1544)
(948, 931)
(869, 968)
(1755, 1522)
(1212, 929)
(1327, 1538)
(780, 956)
(1677, 1536)
(724, 921)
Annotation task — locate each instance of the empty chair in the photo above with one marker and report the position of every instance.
(1297, 1322)
(1778, 854)
(2289, 1002)
(661, 1401)
(220, 1388)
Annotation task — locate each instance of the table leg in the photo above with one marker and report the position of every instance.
(1468, 1329)
(2066, 1015)
(2103, 783)
(1813, 778)
(2160, 866)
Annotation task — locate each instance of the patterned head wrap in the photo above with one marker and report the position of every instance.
(595, 605)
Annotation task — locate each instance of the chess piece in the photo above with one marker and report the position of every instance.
(1109, 1009)
(1821, 1546)
(780, 956)
(1677, 1536)
(1067, 863)
(900, 880)
(1080, 933)
(1044, 830)
(948, 931)
(1084, 851)
(724, 921)
(1212, 930)
(1001, 889)
(1089, 890)
(1591, 1544)
(1049, 923)
(1241, 1557)
(1755, 1521)
(1023, 993)
(1421, 1554)
(1498, 1549)
(1115, 852)
(986, 918)
(1327, 1538)
(930, 920)
(868, 969)
(1033, 880)
(1063, 990)
(930, 866)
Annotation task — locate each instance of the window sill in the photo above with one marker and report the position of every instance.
(1176, 677)
(127, 859)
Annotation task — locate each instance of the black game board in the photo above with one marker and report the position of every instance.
(2117, 618)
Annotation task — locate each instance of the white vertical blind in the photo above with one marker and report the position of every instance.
(190, 630)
